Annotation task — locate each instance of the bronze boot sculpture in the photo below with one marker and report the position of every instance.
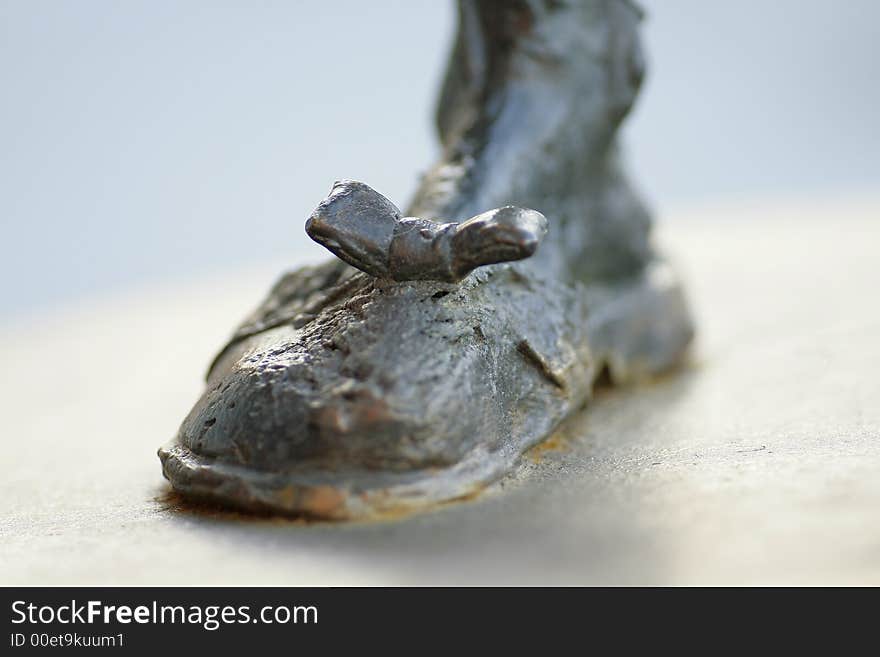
(418, 367)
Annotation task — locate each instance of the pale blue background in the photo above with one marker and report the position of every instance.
(149, 141)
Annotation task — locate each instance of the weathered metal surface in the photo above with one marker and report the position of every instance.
(367, 231)
(351, 394)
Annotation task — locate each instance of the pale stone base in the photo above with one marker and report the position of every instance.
(760, 463)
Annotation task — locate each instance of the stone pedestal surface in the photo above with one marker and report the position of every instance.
(759, 463)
